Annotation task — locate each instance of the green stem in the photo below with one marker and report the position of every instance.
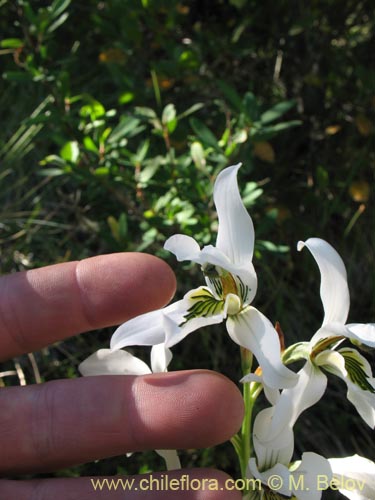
(250, 393)
(246, 430)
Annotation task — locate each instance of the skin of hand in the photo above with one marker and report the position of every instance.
(44, 427)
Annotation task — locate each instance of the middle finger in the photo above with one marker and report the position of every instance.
(67, 422)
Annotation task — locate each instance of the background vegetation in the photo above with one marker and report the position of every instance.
(117, 116)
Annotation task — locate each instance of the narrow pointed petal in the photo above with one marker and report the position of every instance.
(311, 468)
(357, 471)
(146, 329)
(171, 459)
(236, 231)
(362, 333)
(292, 402)
(334, 289)
(161, 356)
(107, 362)
(252, 330)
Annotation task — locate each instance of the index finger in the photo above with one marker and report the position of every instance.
(41, 306)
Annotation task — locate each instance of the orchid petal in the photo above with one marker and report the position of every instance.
(334, 290)
(356, 472)
(309, 389)
(361, 386)
(183, 247)
(363, 333)
(171, 459)
(252, 330)
(310, 469)
(277, 450)
(107, 362)
(186, 248)
(146, 329)
(236, 231)
(177, 322)
(175, 332)
(161, 356)
(330, 330)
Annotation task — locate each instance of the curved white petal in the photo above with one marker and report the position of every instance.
(161, 356)
(236, 231)
(334, 289)
(107, 362)
(363, 333)
(364, 401)
(186, 248)
(292, 402)
(270, 452)
(362, 398)
(146, 329)
(183, 247)
(355, 477)
(330, 330)
(171, 459)
(306, 477)
(175, 332)
(175, 325)
(252, 330)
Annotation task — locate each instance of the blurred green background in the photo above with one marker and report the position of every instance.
(116, 117)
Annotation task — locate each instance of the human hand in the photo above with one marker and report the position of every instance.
(66, 422)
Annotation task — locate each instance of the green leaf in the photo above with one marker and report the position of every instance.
(150, 170)
(231, 94)
(17, 76)
(322, 177)
(193, 109)
(102, 172)
(51, 172)
(59, 21)
(11, 43)
(70, 151)
(251, 193)
(276, 111)
(271, 247)
(197, 154)
(123, 226)
(268, 132)
(204, 133)
(125, 127)
(90, 144)
(58, 6)
(94, 109)
(169, 114)
(251, 107)
(126, 97)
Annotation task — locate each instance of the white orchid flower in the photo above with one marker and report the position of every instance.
(231, 284)
(354, 477)
(108, 362)
(273, 468)
(322, 352)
